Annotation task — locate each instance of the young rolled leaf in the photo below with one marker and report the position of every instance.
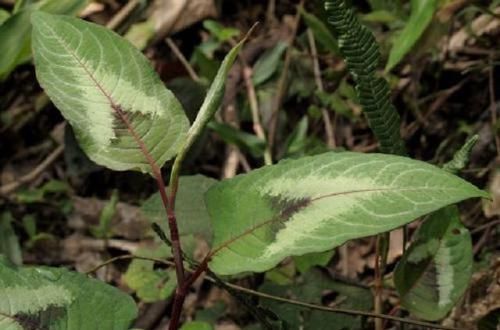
(435, 271)
(55, 298)
(210, 105)
(316, 203)
(120, 110)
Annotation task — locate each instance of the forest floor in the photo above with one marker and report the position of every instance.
(64, 210)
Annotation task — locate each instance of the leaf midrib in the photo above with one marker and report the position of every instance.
(117, 108)
(249, 231)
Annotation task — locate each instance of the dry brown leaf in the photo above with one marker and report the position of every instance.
(484, 24)
(492, 208)
(128, 222)
(227, 326)
(92, 8)
(170, 16)
(482, 297)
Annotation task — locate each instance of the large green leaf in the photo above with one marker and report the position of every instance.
(422, 12)
(119, 108)
(15, 33)
(316, 203)
(55, 298)
(435, 271)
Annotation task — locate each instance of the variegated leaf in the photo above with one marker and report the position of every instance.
(120, 110)
(55, 298)
(316, 203)
(435, 271)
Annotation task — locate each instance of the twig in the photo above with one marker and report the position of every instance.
(482, 241)
(13, 186)
(271, 9)
(281, 89)
(485, 226)
(128, 257)
(182, 59)
(286, 300)
(493, 105)
(334, 309)
(330, 138)
(122, 14)
(380, 263)
(254, 108)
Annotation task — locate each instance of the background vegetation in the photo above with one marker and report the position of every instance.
(288, 95)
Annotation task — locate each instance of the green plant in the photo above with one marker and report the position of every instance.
(125, 119)
(434, 273)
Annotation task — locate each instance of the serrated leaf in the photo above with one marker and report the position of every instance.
(435, 271)
(316, 203)
(57, 299)
(119, 108)
(421, 15)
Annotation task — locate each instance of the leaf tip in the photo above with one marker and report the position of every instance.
(39, 16)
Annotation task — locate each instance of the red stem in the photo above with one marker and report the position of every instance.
(169, 207)
(181, 292)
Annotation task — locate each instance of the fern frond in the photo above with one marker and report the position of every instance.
(361, 53)
(461, 157)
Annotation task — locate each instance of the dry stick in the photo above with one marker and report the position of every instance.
(120, 16)
(330, 138)
(336, 310)
(32, 175)
(493, 106)
(182, 58)
(271, 8)
(254, 104)
(485, 226)
(280, 299)
(281, 89)
(254, 108)
(379, 270)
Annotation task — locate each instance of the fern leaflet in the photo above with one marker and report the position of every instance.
(361, 53)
